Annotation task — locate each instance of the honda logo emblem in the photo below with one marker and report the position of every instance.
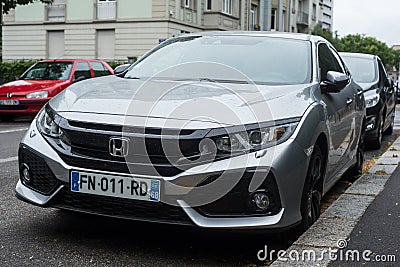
(9, 95)
(119, 147)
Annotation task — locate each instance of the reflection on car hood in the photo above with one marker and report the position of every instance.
(114, 100)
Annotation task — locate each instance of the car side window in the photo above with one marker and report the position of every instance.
(82, 70)
(327, 61)
(340, 62)
(383, 81)
(99, 69)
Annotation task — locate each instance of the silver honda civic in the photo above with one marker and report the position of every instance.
(223, 130)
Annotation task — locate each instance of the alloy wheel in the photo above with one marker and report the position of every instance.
(314, 194)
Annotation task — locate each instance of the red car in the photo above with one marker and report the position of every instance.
(44, 80)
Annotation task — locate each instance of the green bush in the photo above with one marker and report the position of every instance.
(115, 64)
(10, 70)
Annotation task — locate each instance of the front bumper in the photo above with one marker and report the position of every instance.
(25, 107)
(289, 184)
(372, 125)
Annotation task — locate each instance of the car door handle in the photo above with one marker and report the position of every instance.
(349, 101)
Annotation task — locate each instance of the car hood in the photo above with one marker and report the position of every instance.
(368, 86)
(22, 87)
(114, 100)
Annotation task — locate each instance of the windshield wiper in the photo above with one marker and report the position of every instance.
(222, 81)
(132, 77)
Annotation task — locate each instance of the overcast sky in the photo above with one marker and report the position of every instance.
(377, 18)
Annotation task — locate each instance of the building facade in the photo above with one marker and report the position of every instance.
(327, 14)
(116, 29)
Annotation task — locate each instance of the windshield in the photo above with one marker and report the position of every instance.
(49, 71)
(263, 60)
(362, 69)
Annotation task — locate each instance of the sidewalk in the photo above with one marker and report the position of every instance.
(365, 217)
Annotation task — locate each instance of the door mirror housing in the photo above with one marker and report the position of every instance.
(121, 68)
(335, 82)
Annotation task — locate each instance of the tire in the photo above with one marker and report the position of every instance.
(389, 130)
(377, 142)
(355, 171)
(312, 192)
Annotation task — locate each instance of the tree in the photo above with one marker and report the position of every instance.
(10, 4)
(327, 34)
(358, 43)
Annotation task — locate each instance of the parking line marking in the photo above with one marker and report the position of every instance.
(14, 130)
(8, 160)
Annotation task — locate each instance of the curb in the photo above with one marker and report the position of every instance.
(338, 221)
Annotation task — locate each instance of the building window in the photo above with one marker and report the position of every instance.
(273, 19)
(55, 44)
(254, 18)
(56, 11)
(187, 3)
(293, 6)
(209, 5)
(106, 9)
(227, 6)
(284, 21)
(314, 12)
(106, 45)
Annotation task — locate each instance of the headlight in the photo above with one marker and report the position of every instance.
(40, 94)
(47, 125)
(255, 139)
(371, 100)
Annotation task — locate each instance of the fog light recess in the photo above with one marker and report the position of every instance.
(260, 200)
(25, 173)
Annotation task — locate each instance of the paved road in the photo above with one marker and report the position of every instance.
(48, 237)
(377, 230)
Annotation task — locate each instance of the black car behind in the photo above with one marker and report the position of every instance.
(369, 72)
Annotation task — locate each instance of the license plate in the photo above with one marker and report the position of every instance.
(9, 102)
(115, 186)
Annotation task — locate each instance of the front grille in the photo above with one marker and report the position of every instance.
(42, 178)
(121, 208)
(143, 149)
(90, 148)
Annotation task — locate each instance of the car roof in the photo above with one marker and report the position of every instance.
(285, 35)
(69, 60)
(358, 55)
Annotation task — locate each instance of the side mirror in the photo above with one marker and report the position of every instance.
(121, 68)
(80, 78)
(335, 82)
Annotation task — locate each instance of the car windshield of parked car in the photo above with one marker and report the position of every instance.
(362, 69)
(49, 71)
(264, 60)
